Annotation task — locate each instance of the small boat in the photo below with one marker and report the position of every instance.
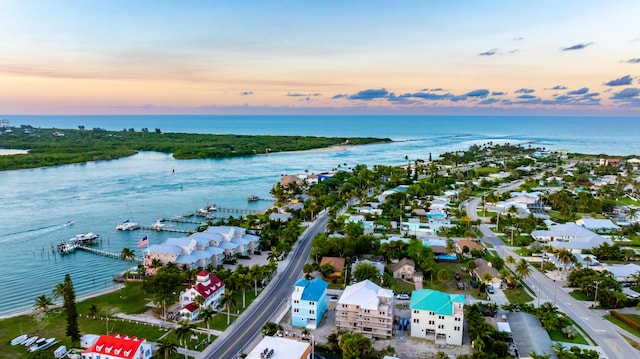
(188, 214)
(18, 340)
(43, 345)
(252, 198)
(158, 225)
(68, 223)
(84, 238)
(127, 226)
(212, 207)
(30, 341)
(202, 212)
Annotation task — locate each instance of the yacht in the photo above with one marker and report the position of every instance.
(84, 238)
(127, 226)
(67, 247)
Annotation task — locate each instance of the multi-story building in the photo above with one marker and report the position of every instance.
(308, 303)
(207, 286)
(437, 316)
(366, 308)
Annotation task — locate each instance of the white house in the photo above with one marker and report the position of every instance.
(207, 286)
(437, 316)
(118, 347)
(570, 236)
(366, 308)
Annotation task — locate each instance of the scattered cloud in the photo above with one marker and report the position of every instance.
(341, 95)
(525, 90)
(518, 38)
(526, 97)
(635, 60)
(629, 96)
(498, 93)
(488, 101)
(245, 93)
(489, 53)
(370, 94)
(478, 93)
(581, 91)
(297, 94)
(577, 46)
(558, 87)
(624, 80)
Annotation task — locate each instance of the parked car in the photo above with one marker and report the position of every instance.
(403, 296)
(474, 283)
(490, 289)
(460, 285)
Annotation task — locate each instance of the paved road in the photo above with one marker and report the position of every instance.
(603, 332)
(241, 333)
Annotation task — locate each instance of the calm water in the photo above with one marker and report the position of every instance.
(36, 203)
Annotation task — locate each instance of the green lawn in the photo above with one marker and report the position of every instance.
(624, 325)
(578, 295)
(129, 300)
(398, 286)
(626, 201)
(557, 336)
(518, 295)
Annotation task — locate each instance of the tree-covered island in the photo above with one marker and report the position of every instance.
(53, 147)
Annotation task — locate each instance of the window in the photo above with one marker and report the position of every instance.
(416, 320)
(432, 322)
(296, 310)
(432, 313)
(441, 317)
(457, 319)
(457, 329)
(416, 312)
(312, 303)
(311, 311)
(440, 326)
(296, 301)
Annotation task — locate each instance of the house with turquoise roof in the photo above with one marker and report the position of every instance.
(437, 316)
(308, 303)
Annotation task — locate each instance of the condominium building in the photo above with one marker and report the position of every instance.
(366, 308)
(437, 316)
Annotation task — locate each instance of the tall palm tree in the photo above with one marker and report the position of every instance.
(228, 301)
(43, 303)
(207, 314)
(167, 346)
(183, 333)
(254, 275)
(522, 269)
(125, 255)
(509, 260)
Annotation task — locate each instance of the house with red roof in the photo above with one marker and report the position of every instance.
(118, 347)
(207, 286)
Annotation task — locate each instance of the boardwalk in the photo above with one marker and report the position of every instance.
(107, 253)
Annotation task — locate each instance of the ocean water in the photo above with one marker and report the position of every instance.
(36, 203)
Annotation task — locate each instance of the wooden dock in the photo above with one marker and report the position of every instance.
(164, 229)
(106, 253)
(237, 210)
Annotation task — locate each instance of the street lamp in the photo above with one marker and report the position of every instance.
(554, 292)
(595, 299)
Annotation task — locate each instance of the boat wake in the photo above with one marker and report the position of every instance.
(44, 230)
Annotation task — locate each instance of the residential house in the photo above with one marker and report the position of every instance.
(337, 263)
(366, 308)
(570, 236)
(484, 267)
(437, 316)
(308, 303)
(118, 347)
(404, 269)
(472, 245)
(529, 336)
(207, 286)
(604, 225)
(280, 348)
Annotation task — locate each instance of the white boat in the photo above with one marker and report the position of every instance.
(127, 226)
(68, 223)
(18, 340)
(44, 345)
(84, 238)
(158, 225)
(30, 341)
(67, 247)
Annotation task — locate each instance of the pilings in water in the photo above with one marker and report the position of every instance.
(107, 253)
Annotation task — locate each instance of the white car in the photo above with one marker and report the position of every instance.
(403, 296)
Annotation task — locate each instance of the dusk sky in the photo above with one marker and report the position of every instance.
(320, 57)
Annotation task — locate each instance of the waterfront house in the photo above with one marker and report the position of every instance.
(207, 286)
(437, 316)
(280, 348)
(118, 347)
(308, 303)
(366, 308)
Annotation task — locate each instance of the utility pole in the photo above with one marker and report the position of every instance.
(595, 300)
(554, 292)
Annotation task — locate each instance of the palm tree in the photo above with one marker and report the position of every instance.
(207, 314)
(58, 291)
(522, 269)
(242, 281)
(94, 310)
(43, 303)
(273, 255)
(125, 255)
(228, 300)
(509, 260)
(183, 333)
(167, 346)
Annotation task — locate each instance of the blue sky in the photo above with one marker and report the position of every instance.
(404, 57)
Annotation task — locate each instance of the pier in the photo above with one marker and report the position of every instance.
(237, 210)
(164, 229)
(106, 253)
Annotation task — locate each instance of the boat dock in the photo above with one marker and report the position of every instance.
(237, 210)
(164, 229)
(106, 253)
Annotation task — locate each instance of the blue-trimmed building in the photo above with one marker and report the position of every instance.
(437, 316)
(308, 303)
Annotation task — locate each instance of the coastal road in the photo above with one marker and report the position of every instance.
(241, 333)
(600, 330)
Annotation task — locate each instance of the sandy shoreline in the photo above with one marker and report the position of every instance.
(337, 148)
(80, 299)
